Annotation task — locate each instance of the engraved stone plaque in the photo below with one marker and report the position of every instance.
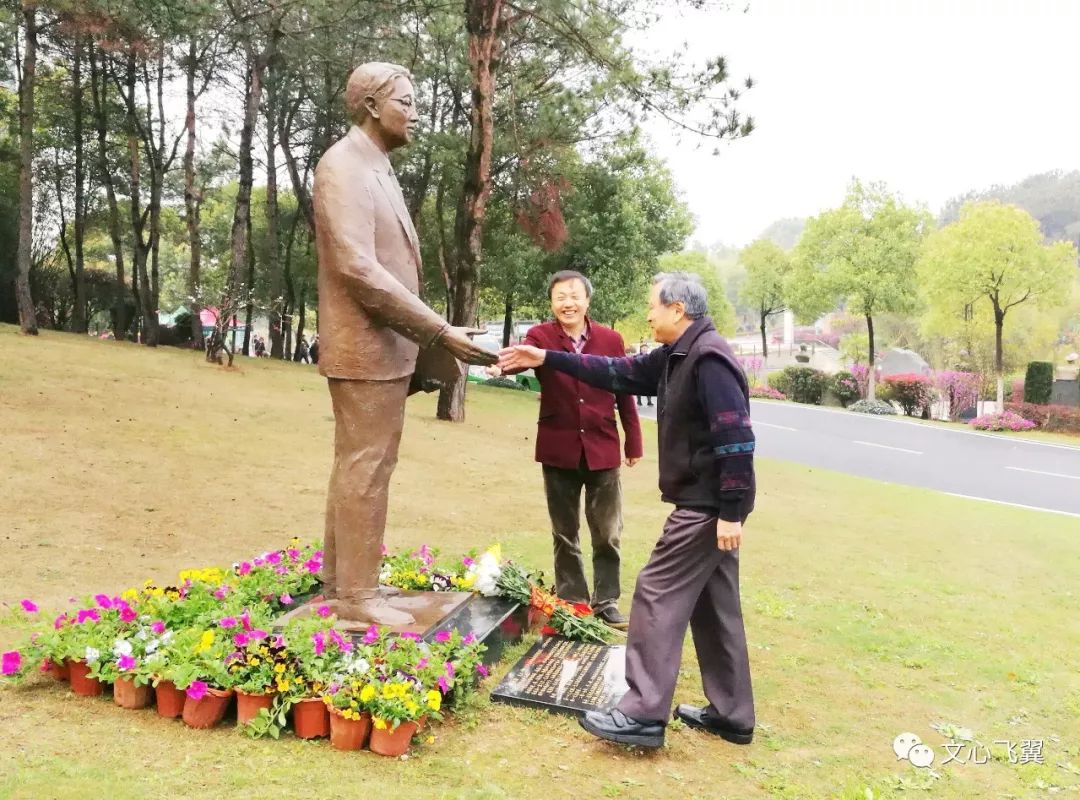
(567, 677)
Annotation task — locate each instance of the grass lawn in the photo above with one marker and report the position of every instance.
(871, 609)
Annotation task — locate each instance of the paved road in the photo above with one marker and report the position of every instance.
(983, 466)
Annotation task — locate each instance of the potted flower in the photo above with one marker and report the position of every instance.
(257, 664)
(350, 721)
(318, 652)
(396, 706)
(195, 664)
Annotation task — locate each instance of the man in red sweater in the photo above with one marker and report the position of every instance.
(577, 442)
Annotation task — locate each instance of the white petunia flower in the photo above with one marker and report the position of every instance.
(92, 655)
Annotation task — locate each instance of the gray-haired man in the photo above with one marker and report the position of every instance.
(706, 447)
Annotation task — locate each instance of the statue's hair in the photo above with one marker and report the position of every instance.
(374, 79)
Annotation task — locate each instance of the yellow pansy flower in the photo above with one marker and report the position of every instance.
(380, 724)
(279, 668)
(434, 700)
(367, 693)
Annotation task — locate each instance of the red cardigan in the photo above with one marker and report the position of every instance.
(576, 418)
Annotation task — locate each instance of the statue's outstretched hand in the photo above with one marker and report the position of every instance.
(460, 344)
(521, 356)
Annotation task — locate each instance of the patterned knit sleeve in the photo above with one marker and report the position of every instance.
(728, 413)
(637, 375)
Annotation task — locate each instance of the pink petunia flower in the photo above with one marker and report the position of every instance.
(323, 611)
(244, 569)
(372, 635)
(450, 669)
(125, 663)
(320, 643)
(88, 614)
(444, 685)
(281, 569)
(258, 635)
(292, 553)
(245, 620)
(416, 637)
(482, 670)
(313, 565)
(442, 637)
(29, 606)
(469, 639)
(259, 562)
(240, 640)
(468, 562)
(158, 627)
(221, 591)
(227, 622)
(103, 601)
(273, 558)
(423, 662)
(286, 599)
(60, 621)
(279, 641)
(197, 690)
(11, 662)
(127, 614)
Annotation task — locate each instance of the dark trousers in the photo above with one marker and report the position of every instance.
(688, 580)
(368, 417)
(603, 513)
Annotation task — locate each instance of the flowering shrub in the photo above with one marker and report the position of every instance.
(1055, 418)
(877, 407)
(861, 374)
(766, 392)
(753, 367)
(1004, 421)
(845, 387)
(913, 392)
(959, 389)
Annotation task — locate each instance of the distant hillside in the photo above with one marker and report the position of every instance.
(1053, 198)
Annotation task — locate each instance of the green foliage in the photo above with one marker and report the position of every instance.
(779, 381)
(1038, 382)
(805, 384)
(767, 270)
(720, 309)
(860, 254)
(845, 387)
(992, 260)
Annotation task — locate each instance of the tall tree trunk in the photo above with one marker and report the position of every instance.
(238, 271)
(300, 320)
(273, 236)
(79, 321)
(508, 319)
(290, 289)
(764, 338)
(303, 196)
(192, 203)
(249, 313)
(99, 92)
(140, 283)
(483, 25)
(28, 76)
(871, 387)
(999, 354)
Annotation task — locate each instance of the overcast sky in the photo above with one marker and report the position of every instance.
(933, 97)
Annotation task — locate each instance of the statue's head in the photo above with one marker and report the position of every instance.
(379, 98)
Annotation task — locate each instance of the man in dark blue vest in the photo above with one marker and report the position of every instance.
(706, 451)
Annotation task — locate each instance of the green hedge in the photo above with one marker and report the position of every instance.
(806, 384)
(1039, 382)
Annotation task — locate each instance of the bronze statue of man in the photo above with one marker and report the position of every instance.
(372, 326)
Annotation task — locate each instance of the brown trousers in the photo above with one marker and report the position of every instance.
(603, 513)
(368, 417)
(688, 580)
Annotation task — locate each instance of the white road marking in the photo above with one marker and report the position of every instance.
(1040, 472)
(772, 425)
(889, 447)
(1014, 505)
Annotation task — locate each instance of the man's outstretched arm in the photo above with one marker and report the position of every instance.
(637, 375)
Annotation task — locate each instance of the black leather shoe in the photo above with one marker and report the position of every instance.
(613, 618)
(699, 717)
(617, 727)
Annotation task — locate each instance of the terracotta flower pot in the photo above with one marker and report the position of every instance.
(394, 742)
(60, 670)
(349, 734)
(127, 695)
(170, 700)
(248, 706)
(207, 711)
(80, 683)
(311, 719)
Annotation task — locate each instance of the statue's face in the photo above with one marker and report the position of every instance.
(396, 116)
